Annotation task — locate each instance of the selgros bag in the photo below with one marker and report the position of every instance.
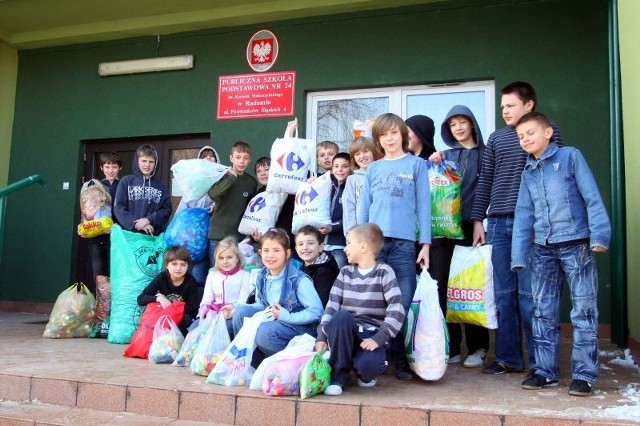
(291, 160)
(470, 296)
(189, 228)
(445, 184)
(136, 259)
(261, 212)
(313, 204)
(426, 337)
(195, 177)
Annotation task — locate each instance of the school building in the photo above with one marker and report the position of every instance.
(71, 86)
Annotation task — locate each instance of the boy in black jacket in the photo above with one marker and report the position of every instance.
(319, 265)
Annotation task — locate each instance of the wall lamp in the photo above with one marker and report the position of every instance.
(137, 66)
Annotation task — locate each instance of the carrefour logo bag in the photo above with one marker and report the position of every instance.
(313, 204)
(261, 212)
(291, 160)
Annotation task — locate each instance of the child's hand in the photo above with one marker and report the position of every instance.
(369, 344)
(143, 225)
(231, 172)
(292, 126)
(436, 157)
(311, 179)
(163, 301)
(423, 257)
(598, 249)
(320, 346)
(227, 311)
(478, 233)
(256, 234)
(275, 310)
(325, 229)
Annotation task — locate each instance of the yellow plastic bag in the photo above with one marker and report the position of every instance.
(72, 314)
(470, 297)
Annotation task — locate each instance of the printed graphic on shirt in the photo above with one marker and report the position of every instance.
(144, 193)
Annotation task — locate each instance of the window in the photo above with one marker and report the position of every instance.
(331, 115)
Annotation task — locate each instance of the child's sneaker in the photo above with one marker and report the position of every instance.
(454, 359)
(580, 388)
(334, 389)
(476, 359)
(538, 382)
(368, 384)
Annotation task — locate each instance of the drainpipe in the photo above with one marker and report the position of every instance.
(618, 250)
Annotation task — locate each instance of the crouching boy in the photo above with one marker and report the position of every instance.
(363, 314)
(560, 220)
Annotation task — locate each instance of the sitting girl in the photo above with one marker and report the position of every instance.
(227, 282)
(289, 293)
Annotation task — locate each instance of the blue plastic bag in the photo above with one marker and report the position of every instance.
(189, 228)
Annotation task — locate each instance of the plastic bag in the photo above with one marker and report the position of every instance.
(143, 336)
(136, 259)
(167, 340)
(72, 314)
(315, 376)
(281, 377)
(191, 342)
(426, 336)
(211, 346)
(195, 177)
(103, 308)
(189, 228)
(291, 161)
(95, 209)
(297, 346)
(261, 212)
(445, 184)
(234, 366)
(313, 204)
(470, 295)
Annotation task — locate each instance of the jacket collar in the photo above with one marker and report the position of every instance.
(533, 162)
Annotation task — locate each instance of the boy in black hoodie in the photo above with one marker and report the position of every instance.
(319, 265)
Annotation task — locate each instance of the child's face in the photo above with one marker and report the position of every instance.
(325, 156)
(341, 169)
(146, 164)
(177, 270)
(110, 170)
(414, 141)
(210, 156)
(262, 174)
(226, 260)
(240, 161)
(354, 248)
(534, 137)
(513, 108)
(363, 158)
(461, 128)
(308, 248)
(274, 256)
(391, 141)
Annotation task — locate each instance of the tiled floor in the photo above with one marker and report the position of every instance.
(90, 374)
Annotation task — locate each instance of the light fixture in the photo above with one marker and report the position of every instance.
(136, 66)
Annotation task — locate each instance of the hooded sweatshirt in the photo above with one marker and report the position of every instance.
(424, 129)
(468, 162)
(138, 197)
(205, 201)
(323, 273)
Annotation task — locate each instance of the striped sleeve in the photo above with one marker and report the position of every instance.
(394, 313)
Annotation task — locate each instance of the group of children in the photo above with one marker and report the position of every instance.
(545, 218)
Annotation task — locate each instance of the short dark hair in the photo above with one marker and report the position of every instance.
(177, 253)
(147, 150)
(371, 234)
(311, 230)
(343, 155)
(241, 146)
(523, 90)
(387, 121)
(262, 162)
(538, 117)
(110, 157)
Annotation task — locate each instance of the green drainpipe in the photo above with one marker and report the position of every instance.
(618, 250)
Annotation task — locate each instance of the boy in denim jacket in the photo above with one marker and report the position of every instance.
(560, 220)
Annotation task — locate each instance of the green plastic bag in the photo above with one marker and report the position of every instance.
(445, 184)
(315, 376)
(136, 259)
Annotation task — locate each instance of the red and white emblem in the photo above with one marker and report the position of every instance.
(262, 51)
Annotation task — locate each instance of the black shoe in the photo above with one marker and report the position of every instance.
(532, 372)
(538, 382)
(497, 367)
(580, 388)
(403, 372)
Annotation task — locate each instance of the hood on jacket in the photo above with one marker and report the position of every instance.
(207, 147)
(445, 130)
(136, 168)
(424, 129)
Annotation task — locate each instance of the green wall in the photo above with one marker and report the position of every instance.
(61, 100)
(8, 76)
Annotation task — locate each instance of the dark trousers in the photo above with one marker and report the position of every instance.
(440, 254)
(344, 337)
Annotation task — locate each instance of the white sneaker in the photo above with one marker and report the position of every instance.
(333, 390)
(364, 384)
(476, 359)
(454, 359)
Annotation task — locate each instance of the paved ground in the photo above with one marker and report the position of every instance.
(24, 354)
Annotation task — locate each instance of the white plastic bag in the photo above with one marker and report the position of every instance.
(470, 297)
(313, 204)
(299, 345)
(191, 342)
(167, 340)
(291, 161)
(261, 212)
(426, 337)
(211, 347)
(195, 177)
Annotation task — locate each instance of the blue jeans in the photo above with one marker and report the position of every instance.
(514, 301)
(340, 257)
(549, 266)
(401, 256)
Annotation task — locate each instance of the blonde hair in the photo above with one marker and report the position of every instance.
(386, 122)
(362, 143)
(371, 234)
(231, 244)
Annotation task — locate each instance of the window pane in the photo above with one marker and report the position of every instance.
(336, 117)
